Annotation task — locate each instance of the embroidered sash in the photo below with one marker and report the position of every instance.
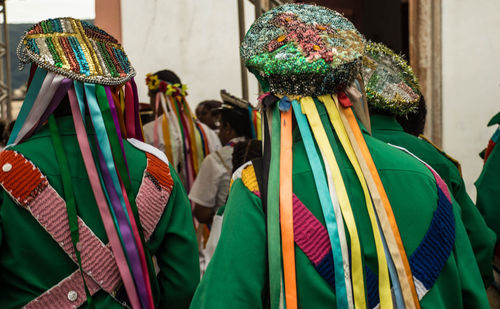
(30, 189)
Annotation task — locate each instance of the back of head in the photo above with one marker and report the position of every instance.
(237, 118)
(168, 76)
(414, 123)
(391, 86)
(245, 151)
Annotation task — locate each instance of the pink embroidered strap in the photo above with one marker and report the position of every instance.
(69, 293)
(309, 234)
(97, 260)
(45, 204)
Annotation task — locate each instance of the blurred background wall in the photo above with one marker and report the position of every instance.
(453, 46)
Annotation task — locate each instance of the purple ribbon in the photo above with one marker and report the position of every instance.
(138, 130)
(54, 103)
(125, 231)
(114, 114)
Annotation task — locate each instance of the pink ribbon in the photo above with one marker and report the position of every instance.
(107, 220)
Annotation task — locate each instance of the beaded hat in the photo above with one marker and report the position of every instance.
(303, 49)
(390, 83)
(76, 49)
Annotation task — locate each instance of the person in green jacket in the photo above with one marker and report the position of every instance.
(488, 185)
(330, 216)
(382, 71)
(90, 216)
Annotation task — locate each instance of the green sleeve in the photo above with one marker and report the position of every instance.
(177, 254)
(488, 191)
(236, 275)
(473, 291)
(481, 237)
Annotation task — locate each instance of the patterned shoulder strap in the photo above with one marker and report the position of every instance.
(30, 189)
(246, 173)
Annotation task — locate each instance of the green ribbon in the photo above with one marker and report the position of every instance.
(69, 197)
(121, 167)
(273, 212)
(29, 100)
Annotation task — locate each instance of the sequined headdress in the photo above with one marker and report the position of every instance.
(75, 60)
(390, 83)
(303, 50)
(308, 59)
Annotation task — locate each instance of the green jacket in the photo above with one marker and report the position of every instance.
(31, 262)
(482, 239)
(488, 186)
(236, 276)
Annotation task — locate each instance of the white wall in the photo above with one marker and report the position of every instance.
(471, 80)
(198, 39)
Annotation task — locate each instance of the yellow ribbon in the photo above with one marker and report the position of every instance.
(192, 134)
(382, 207)
(309, 108)
(166, 138)
(384, 281)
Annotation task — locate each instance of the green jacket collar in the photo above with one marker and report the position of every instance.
(385, 122)
(494, 120)
(66, 127)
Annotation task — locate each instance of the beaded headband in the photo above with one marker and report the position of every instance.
(390, 83)
(154, 83)
(75, 49)
(303, 50)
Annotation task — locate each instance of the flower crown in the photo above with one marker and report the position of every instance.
(154, 83)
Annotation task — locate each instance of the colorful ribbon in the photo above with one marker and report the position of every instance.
(382, 207)
(31, 95)
(309, 107)
(326, 205)
(101, 201)
(273, 213)
(118, 197)
(384, 282)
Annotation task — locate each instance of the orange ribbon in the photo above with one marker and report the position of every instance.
(286, 210)
(399, 255)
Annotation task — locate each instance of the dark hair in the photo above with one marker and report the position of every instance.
(211, 104)
(238, 119)
(245, 151)
(168, 76)
(414, 123)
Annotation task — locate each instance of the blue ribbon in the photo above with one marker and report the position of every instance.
(252, 127)
(285, 104)
(326, 204)
(113, 188)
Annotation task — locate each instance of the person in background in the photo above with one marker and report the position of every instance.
(174, 130)
(211, 187)
(385, 106)
(207, 113)
(243, 152)
(332, 217)
(488, 190)
(90, 216)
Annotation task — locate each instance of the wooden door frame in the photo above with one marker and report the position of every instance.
(425, 58)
